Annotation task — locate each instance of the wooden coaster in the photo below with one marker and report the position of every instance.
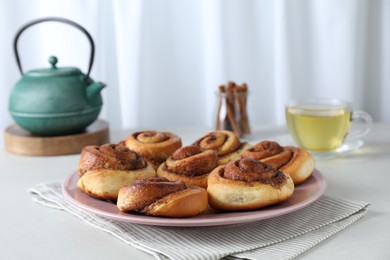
(20, 141)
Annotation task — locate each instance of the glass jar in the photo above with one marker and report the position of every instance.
(232, 112)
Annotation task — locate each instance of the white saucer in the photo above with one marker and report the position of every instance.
(347, 147)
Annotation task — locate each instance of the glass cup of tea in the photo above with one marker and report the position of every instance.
(326, 126)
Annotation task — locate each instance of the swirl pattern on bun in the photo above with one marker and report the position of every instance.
(247, 184)
(189, 164)
(103, 170)
(294, 161)
(226, 143)
(160, 197)
(154, 146)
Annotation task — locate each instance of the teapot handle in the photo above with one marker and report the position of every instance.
(54, 19)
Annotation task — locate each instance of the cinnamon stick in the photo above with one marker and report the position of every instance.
(244, 120)
(230, 109)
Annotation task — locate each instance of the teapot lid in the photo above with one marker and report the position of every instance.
(54, 71)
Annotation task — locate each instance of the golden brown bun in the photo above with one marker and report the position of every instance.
(301, 166)
(154, 146)
(189, 164)
(226, 143)
(247, 184)
(104, 170)
(294, 161)
(160, 197)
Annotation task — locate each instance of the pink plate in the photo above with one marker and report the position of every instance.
(304, 195)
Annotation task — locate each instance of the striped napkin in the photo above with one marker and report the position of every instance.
(283, 237)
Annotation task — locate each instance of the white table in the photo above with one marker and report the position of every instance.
(31, 231)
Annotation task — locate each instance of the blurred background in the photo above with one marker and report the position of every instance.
(163, 60)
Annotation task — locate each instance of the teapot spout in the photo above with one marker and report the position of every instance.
(94, 89)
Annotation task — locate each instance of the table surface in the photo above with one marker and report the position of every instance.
(32, 231)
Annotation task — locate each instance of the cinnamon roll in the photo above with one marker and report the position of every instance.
(189, 164)
(294, 161)
(103, 170)
(160, 197)
(247, 184)
(226, 143)
(154, 146)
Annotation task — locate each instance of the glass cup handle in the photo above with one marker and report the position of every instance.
(360, 130)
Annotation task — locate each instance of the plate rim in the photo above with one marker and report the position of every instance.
(197, 221)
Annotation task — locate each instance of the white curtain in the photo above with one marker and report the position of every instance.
(163, 60)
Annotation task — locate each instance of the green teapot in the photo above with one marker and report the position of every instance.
(57, 100)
